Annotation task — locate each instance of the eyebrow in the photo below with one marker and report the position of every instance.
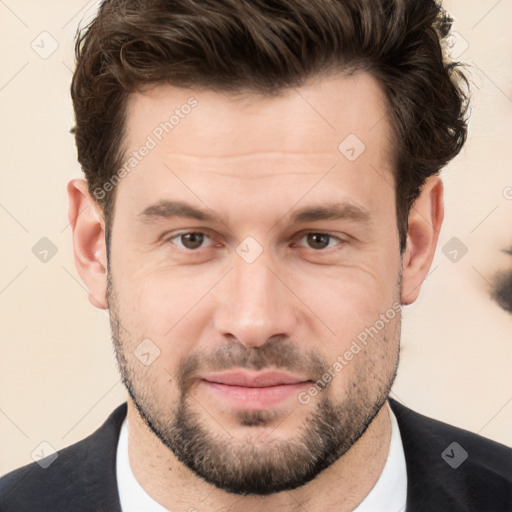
(166, 209)
(336, 211)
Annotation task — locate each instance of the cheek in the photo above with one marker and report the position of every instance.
(166, 309)
(350, 299)
(159, 299)
(366, 364)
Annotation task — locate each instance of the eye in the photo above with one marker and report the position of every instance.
(190, 241)
(319, 241)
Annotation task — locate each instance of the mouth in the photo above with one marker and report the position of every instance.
(262, 390)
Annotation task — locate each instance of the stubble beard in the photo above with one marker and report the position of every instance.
(265, 464)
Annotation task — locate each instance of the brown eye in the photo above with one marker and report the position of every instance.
(318, 241)
(190, 241)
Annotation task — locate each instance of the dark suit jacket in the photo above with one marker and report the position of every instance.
(83, 477)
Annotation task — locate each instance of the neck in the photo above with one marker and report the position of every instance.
(342, 486)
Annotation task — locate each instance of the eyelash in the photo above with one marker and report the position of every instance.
(177, 236)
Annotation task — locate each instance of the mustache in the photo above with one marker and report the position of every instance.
(275, 353)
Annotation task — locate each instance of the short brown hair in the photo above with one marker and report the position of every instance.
(265, 46)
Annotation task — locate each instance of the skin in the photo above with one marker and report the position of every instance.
(254, 161)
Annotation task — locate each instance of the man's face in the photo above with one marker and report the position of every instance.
(270, 283)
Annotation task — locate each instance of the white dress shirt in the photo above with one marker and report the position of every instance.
(388, 494)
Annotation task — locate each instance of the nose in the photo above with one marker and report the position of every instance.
(254, 304)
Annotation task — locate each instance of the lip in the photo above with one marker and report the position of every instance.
(254, 391)
(254, 380)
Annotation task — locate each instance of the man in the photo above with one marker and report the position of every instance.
(261, 199)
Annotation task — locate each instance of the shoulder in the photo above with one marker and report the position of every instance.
(419, 430)
(78, 475)
(454, 465)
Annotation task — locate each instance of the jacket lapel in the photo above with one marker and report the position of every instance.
(431, 483)
(93, 461)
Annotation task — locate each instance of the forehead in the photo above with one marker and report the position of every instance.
(314, 117)
(247, 143)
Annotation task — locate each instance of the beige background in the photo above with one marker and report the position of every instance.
(57, 370)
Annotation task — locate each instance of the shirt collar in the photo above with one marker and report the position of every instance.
(389, 494)
(132, 496)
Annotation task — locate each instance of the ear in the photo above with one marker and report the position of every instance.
(425, 220)
(89, 247)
